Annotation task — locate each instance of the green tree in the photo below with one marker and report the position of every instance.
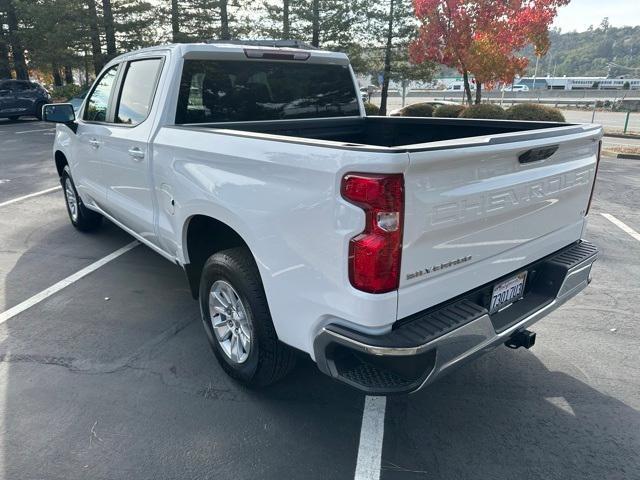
(200, 20)
(135, 24)
(53, 32)
(328, 24)
(275, 21)
(109, 29)
(5, 64)
(15, 38)
(94, 35)
(389, 26)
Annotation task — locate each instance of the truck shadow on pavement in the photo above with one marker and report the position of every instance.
(112, 377)
(508, 416)
(128, 388)
(24, 120)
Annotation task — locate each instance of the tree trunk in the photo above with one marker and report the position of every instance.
(285, 20)
(109, 30)
(315, 23)
(94, 33)
(387, 64)
(478, 92)
(55, 71)
(224, 21)
(175, 21)
(5, 65)
(467, 87)
(68, 75)
(86, 68)
(19, 63)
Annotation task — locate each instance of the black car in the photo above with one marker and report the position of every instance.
(22, 98)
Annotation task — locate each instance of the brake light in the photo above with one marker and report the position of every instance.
(593, 185)
(276, 54)
(374, 254)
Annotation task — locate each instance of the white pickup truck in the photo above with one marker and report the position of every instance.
(389, 249)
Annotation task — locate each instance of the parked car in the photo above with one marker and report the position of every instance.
(21, 98)
(388, 249)
(515, 88)
(459, 87)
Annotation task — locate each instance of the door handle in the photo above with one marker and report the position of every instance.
(94, 143)
(136, 153)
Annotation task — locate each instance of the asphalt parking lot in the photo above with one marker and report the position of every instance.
(111, 377)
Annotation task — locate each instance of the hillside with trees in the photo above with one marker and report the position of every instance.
(600, 51)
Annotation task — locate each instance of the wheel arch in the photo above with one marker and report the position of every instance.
(61, 161)
(203, 236)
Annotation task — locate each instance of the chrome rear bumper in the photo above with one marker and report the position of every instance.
(424, 347)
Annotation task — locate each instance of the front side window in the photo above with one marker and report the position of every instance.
(98, 102)
(137, 91)
(240, 91)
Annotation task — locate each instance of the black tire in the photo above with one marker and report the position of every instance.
(269, 359)
(39, 111)
(13, 118)
(84, 219)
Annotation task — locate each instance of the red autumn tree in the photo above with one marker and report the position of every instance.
(482, 37)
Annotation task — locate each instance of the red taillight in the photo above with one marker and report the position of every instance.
(374, 254)
(595, 174)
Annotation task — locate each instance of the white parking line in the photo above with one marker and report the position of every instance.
(31, 195)
(39, 130)
(371, 438)
(622, 226)
(38, 297)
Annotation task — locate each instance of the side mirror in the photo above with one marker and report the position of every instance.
(60, 113)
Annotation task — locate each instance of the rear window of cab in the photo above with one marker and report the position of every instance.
(239, 91)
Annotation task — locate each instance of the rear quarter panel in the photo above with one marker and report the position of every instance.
(283, 198)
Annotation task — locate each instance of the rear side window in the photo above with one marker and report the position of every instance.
(137, 91)
(96, 110)
(239, 91)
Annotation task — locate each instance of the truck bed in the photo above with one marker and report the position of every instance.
(390, 132)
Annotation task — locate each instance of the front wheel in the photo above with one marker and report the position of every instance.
(81, 217)
(237, 320)
(39, 111)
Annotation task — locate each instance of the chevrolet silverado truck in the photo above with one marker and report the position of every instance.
(389, 249)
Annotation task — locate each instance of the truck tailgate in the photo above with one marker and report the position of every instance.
(475, 213)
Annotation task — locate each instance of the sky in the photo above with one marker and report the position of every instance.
(579, 14)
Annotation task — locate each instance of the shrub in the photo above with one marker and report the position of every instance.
(484, 110)
(65, 91)
(417, 110)
(448, 111)
(533, 111)
(371, 109)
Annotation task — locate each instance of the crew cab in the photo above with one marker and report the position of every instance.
(389, 249)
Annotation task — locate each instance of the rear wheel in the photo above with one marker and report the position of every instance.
(237, 320)
(81, 217)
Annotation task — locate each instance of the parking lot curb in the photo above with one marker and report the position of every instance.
(626, 156)
(622, 135)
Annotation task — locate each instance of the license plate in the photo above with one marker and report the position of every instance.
(507, 292)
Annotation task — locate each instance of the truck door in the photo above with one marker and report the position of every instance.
(86, 146)
(125, 153)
